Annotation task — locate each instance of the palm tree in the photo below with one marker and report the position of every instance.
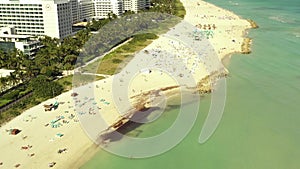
(82, 37)
(111, 15)
(10, 60)
(13, 78)
(31, 71)
(3, 58)
(3, 83)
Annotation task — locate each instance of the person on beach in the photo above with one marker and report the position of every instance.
(214, 26)
(209, 27)
(51, 164)
(31, 155)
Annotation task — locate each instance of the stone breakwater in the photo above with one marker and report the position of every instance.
(253, 24)
(141, 102)
(246, 45)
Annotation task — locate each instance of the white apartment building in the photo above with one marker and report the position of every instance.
(75, 11)
(82, 10)
(87, 9)
(136, 5)
(104, 7)
(37, 17)
(10, 40)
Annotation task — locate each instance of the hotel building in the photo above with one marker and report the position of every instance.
(37, 17)
(105, 7)
(136, 5)
(82, 10)
(54, 18)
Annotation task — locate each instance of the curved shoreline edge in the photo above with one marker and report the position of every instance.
(204, 85)
(246, 46)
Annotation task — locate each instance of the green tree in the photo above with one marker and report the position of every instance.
(82, 36)
(13, 78)
(128, 13)
(3, 58)
(43, 87)
(3, 83)
(70, 59)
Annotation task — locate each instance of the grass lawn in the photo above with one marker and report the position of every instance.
(110, 63)
(180, 11)
(75, 80)
(4, 101)
(66, 82)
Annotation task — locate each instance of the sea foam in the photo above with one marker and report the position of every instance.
(281, 19)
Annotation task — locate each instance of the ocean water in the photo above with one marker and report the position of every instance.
(260, 128)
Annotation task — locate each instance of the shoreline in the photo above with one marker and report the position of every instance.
(79, 147)
(86, 156)
(173, 93)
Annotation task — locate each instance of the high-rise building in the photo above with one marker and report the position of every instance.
(105, 7)
(82, 10)
(37, 17)
(136, 5)
(87, 9)
(54, 18)
(75, 10)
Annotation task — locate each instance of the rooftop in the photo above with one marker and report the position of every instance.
(15, 36)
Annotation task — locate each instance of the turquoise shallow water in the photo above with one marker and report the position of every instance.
(260, 128)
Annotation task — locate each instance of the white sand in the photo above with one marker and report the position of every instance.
(79, 147)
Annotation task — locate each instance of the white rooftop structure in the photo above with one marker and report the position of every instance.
(5, 72)
(10, 40)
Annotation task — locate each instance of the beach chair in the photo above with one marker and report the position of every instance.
(71, 116)
(59, 135)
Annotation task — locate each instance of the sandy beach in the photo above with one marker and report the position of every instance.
(57, 137)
